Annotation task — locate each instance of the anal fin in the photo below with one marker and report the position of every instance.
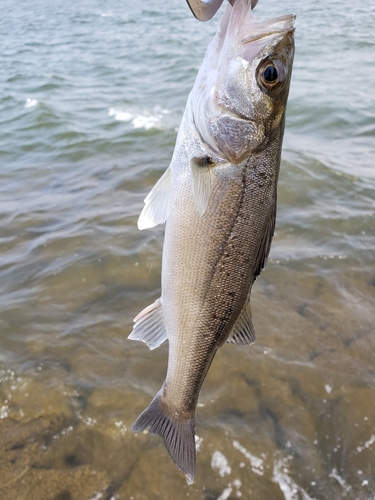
(243, 331)
(149, 326)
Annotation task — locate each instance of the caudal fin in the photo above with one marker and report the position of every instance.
(178, 435)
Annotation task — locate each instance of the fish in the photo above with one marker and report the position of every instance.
(218, 199)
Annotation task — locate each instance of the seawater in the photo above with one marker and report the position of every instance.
(92, 94)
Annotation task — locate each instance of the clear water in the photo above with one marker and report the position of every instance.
(92, 94)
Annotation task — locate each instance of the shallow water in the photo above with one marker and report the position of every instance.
(92, 94)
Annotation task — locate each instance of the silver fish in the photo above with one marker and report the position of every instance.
(218, 197)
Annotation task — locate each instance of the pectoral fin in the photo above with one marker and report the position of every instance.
(243, 331)
(156, 206)
(200, 171)
(149, 326)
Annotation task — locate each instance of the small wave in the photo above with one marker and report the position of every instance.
(121, 116)
(107, 14)
(145, 119)
(31, 103)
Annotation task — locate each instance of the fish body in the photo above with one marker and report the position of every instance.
(218, 198)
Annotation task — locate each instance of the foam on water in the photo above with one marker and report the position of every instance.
(233, 485)
(257, 464)
(335, 475)
(31, 103)
(198, 443)
(225, 494)
(288, 486)
(146, 120)
(98, 496)
(367, 444)
(220, 463)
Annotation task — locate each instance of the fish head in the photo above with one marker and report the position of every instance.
(239, 98)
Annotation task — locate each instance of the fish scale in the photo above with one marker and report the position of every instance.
(218, 198)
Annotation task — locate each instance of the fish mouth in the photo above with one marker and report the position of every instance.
(280, 25)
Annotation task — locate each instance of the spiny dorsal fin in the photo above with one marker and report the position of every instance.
(200, 171)
(156, 206)
(149, 326)
(243, 331)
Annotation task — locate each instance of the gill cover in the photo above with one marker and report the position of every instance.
(228, 103)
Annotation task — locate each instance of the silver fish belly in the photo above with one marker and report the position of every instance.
(218, 198)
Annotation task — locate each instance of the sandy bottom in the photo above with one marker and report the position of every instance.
(292, 417)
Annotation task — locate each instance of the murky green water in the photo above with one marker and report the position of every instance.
(91, 96)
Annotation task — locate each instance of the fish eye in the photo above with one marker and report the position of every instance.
(271, 74)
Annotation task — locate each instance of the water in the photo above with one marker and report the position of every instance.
(92, 94)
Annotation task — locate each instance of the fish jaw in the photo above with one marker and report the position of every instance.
(231, 108)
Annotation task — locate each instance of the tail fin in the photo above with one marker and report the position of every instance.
(178, 435)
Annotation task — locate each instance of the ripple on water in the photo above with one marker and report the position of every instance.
(92, 99)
